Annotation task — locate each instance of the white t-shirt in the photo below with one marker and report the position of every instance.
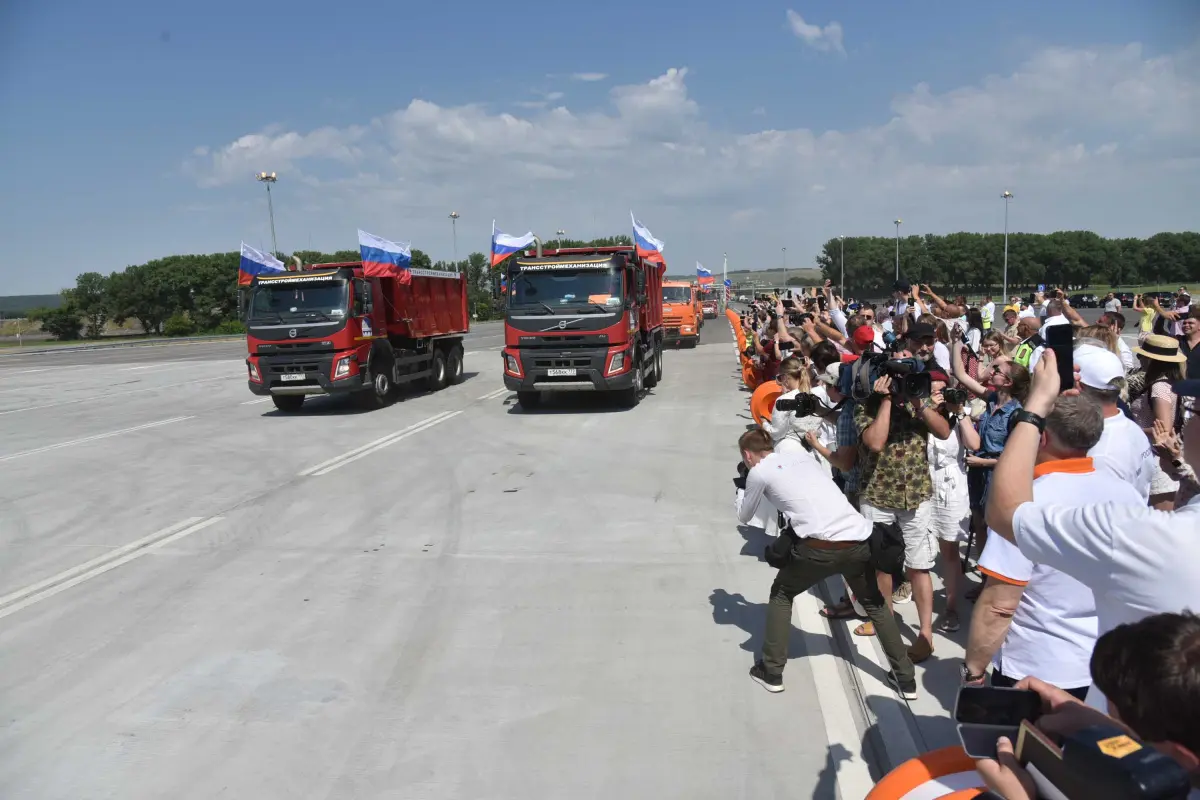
(1055, 627)
(948, 470)
(1112, 305)
(1128, 359)
(827, 430)
(941, 354)
(1027, 311)
(974, 337)
(806, 494)
(1138, 561)
(1124, 450)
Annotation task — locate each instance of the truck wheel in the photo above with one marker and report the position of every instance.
(690, 343)
(382, 390)
(454, 365)
(630, 397)
(437, 371)
(529, 400)
(656, 369)
(289, 403)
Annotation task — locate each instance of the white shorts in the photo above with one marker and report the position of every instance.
(951, 522)
(920, 543)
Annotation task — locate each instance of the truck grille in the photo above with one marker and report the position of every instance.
(548, 363)
(280, 369)
(675, 321)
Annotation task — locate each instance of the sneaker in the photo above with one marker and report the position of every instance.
(903, 593)
(950, 622)
(772, 683)
(906, 690)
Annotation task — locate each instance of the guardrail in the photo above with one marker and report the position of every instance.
(67, 348)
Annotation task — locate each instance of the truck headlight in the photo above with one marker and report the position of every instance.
(253, 370)
(343, 367)
(617, 364)
(687, 328)
(510, 363)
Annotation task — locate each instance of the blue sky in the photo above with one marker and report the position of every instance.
(131, 130)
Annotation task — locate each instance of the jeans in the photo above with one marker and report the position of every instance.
(812, 564)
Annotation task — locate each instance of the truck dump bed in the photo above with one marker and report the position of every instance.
(433, 303)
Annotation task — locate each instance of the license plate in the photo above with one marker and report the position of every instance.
(292, 376)
(560, 373)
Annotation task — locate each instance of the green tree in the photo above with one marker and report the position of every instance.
(63, 323)
(90, 301)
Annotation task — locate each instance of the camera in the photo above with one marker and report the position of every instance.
(803, 404)
(909, 378)
(954, 397)
(743, 471)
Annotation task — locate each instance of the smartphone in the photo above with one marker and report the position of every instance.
(982, 714)
(1061, 339)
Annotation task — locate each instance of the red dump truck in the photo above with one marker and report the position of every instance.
(329, 329)
(583, 319)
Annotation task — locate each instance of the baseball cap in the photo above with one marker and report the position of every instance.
(1013, 309)
(1098, 367)
(864, 336)
(833, 374)
(921, 330)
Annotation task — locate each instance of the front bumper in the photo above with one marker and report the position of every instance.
(680, 333)
(588, 365)
(315, 371)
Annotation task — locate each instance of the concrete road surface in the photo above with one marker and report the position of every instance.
(449, 598)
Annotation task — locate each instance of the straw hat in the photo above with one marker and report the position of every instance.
(1161, 348)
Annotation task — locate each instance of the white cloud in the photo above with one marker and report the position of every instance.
(589, 77)
(1064, 130)
(827, 39)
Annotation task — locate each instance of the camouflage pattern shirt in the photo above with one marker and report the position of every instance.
(898, 477)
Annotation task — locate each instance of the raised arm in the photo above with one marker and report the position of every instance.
(960, 372)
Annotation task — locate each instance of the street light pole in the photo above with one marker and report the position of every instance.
(268, 178)
(454, 215)
(785, 274)
(898, 223)
(842, 243)
(1007, 196)
(561, 234)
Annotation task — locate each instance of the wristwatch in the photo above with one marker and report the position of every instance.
(1033, 419)
(965, 673)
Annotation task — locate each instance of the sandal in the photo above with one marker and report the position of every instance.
(866, 629)
(843, 609)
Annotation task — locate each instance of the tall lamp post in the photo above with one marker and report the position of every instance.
(842, 244)
(561, 234)
(785, 275)
(454, 215)
(898, 223)
(268, 178)
(1007, 196)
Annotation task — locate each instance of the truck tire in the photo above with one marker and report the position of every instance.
(691, 343)
(381, 391)
(656, 370)
(529, 400)
(629, 397)
(437, 371)
(288, 403)
(454, 365)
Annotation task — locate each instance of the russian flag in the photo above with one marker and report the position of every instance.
(384, 259)
(255, 263)
(504, 245)
(647, 246)
(703, 275)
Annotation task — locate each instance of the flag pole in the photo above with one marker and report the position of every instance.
(724, 277)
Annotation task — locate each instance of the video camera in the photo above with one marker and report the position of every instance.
(954, 397)
(910, 381)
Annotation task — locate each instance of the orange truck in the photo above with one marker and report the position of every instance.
(683, 315)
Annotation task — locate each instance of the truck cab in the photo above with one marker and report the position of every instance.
(583, 319)
(682, 313)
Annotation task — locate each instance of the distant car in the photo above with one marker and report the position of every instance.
(710, 308)
(1084, 301)
(1126, 299)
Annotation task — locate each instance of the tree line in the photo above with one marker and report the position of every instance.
(974, 262)
(197, 294)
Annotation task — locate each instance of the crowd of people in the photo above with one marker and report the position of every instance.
(927, 433)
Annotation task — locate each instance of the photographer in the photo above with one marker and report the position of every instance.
(895, 483)
(787, 427)
(830, 538)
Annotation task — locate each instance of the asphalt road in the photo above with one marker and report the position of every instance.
(447, 598)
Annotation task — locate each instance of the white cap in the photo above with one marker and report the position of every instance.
(1098, 367)
(831, 374)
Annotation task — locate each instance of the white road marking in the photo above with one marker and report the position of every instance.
(22, 598)
(491, 395)
(119, 394)
(97, 437)
(256, 401)
(27, 371)
(380, 443)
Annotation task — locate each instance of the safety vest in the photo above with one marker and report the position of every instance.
(1025, 349)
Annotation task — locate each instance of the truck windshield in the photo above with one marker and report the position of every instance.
(677, 294)
(283, 302)
(557, 288)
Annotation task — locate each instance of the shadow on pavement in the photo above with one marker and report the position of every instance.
(346, 404)
(576, 403)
